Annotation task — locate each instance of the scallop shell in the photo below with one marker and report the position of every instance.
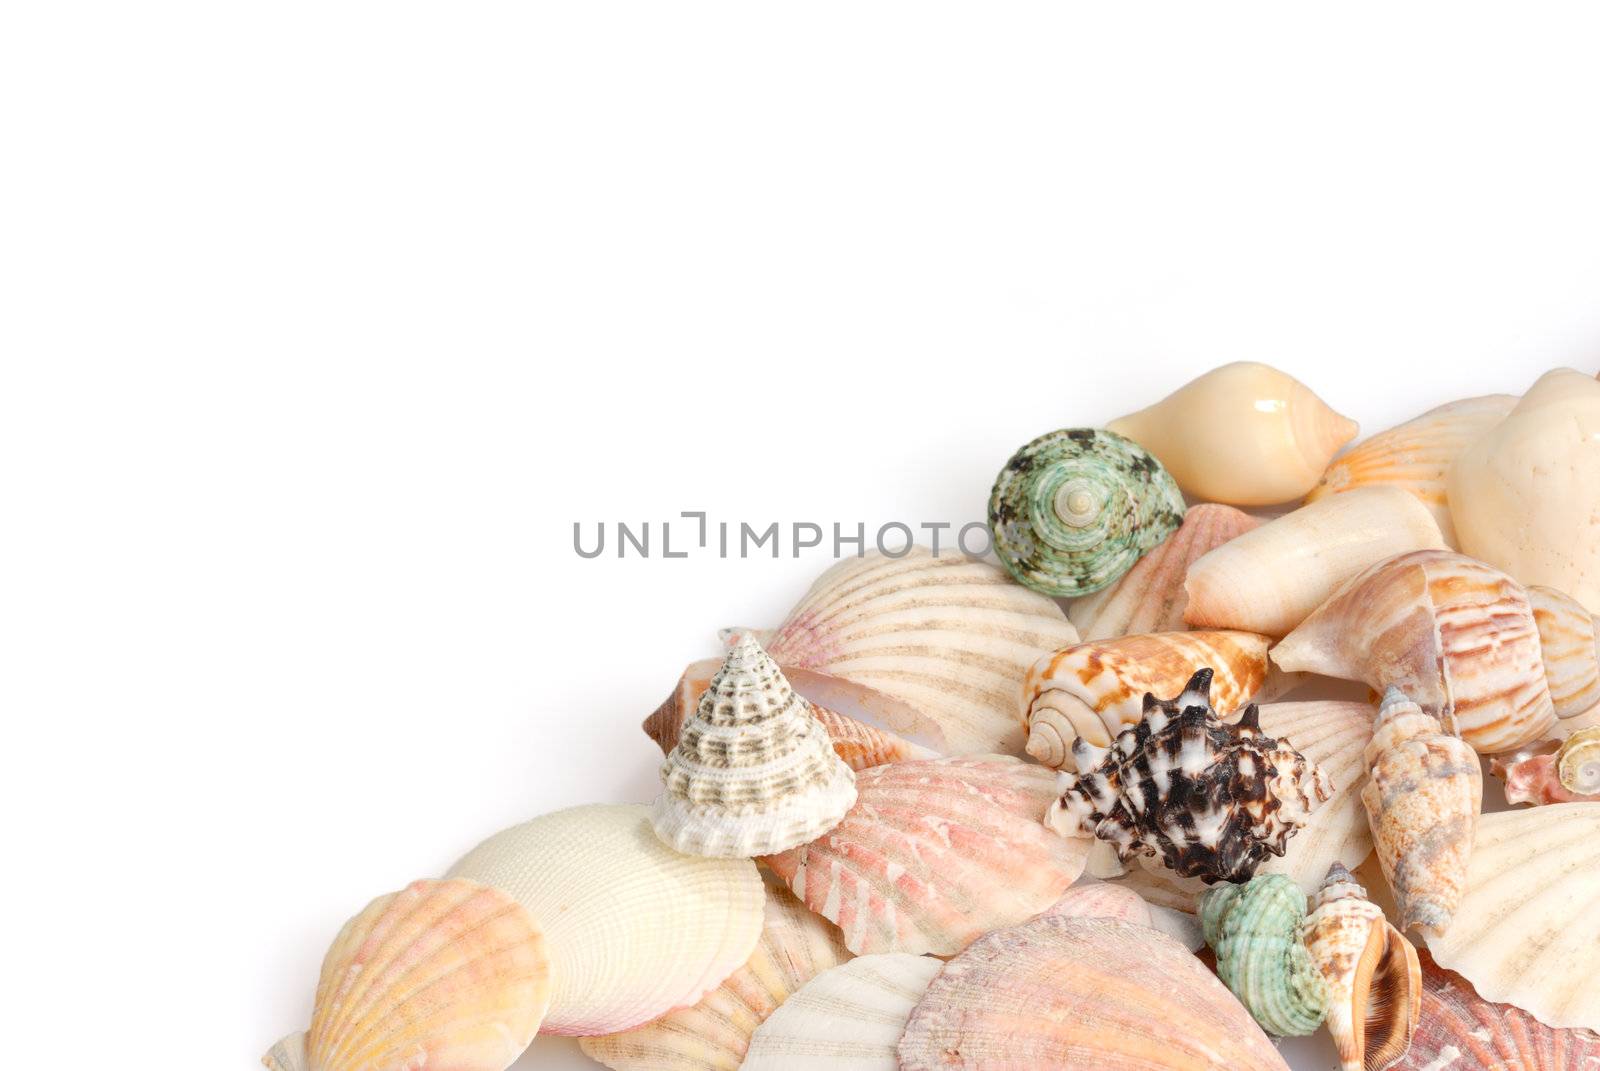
(845, 1019)
(1270, 579)
(713, 1035)
(1423, 795)
(1095, 690)
(1461, 1031)
(1074, 994)
(1416, 456)
(1150, 596)
(635, 929)
(1099, 900)
(1073, 510)
(1255, 931)
(753, 772)
(935, 853)
(923, 644)
(1523, 494)
(1245, 434)
(1527, 930)
(444, 972)
(1578, 763)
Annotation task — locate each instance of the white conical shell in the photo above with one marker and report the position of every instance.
(1268, 580)
(922, 638)
(846, 1019)
(753, 772)
(1527, 930)
(635, 929)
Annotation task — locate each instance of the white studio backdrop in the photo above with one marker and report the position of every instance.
(322, 324)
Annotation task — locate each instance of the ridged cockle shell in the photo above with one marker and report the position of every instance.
(1254, 929)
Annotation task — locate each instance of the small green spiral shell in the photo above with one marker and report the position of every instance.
(1255, 930)
(1074, 510)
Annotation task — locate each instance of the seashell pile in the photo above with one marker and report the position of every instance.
(931, 756)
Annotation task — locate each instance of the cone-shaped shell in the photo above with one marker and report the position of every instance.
(1255, 931)
(796, 945)
(1527, 929)
(1578, 763)
(447, 973)
(920, 640)
(1075, 994)
(1245, 434)
(1423, 794)
(1416, 456)
(848, 1018)
(1270, 579)
(635, 929)
(1095, 690)
(1150, 596)
(935, 853)
(1523, 495)
(753, 772)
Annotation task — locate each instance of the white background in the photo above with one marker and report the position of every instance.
(323, 322)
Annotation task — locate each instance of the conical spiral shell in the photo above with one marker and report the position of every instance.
(1245, 434)
(936, 853)
(635, 929)
(1075, 994)
(1254, 929)
(1095, 690)
(1073, 510)
(923, 639)
(1416, 456)
(447, 973)
(1578, 762)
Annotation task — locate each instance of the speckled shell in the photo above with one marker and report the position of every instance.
(1074, 510)
(447, 973)
(1245, 434)
(1416, 456)
(931, 647)
(935, 853)
(796, 945)
(1095, 690)
(1212, 799)
(1075, 994)
(1150, 596)
(1270, 579)
(753, 772)
(1527, 930)
(635, 929)
(1255, 931)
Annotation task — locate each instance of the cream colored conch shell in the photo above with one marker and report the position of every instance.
(1245, 434)
(713, 1035)
(921, 642)
(1270, 579)
(1416, 456)
(1423, 795)
(447, 973)
(1523, 495)
(1150, 596)
(1461, 638)
(1527, 930)
(1578, 763)
(1095, 690)
(635, 929)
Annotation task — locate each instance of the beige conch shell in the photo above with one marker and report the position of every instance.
(1245, 434)
(1523, 495)
(1416, 456)
(1094, 690)
(1270, 579)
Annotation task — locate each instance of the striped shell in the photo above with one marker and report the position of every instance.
(1099, 900)
(1073, 510)
(935, 853)
(1578, 763)
(1255, 931)
(845, 1019)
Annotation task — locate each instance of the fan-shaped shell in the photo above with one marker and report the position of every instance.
(796, 945)
(1074, 994)
(921, 641)
(1073, 510)
(1416, 456)
(1527, 930)
(1100, 900)
(635, 929)
(848, 1018)
(1245, 434)
(935, 853)
(1255, 930)
(448, 973)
